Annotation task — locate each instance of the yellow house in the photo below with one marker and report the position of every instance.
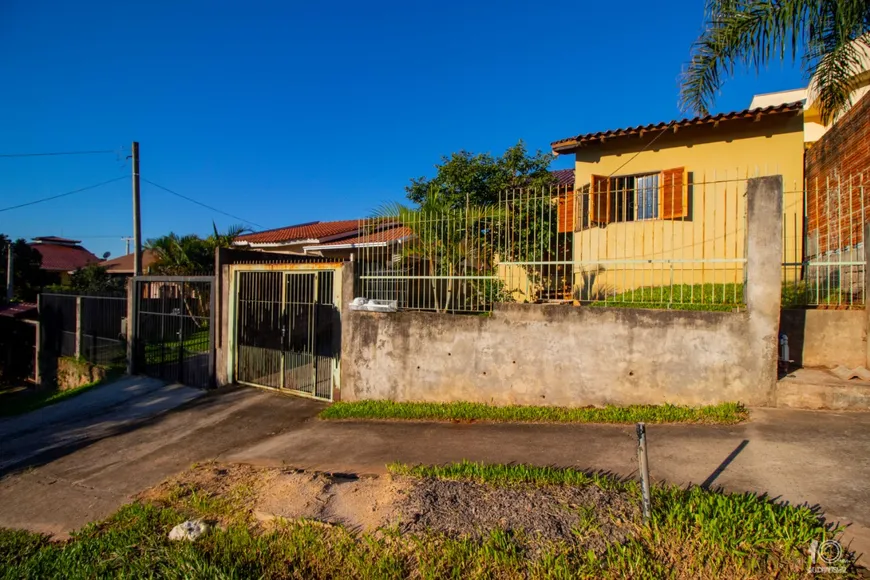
(664, 204)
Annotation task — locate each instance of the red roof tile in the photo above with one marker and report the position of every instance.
(376, 238)
(18, 309)
(585, 139)
(564, 177)
(301, 232)
(63, 258)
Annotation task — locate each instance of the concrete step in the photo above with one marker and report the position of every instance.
(822, 389)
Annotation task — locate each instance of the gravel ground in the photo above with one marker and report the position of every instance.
(585, 516)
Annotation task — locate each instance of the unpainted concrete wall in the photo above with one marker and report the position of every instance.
(564, 355)
(552, 355)
(826, 338)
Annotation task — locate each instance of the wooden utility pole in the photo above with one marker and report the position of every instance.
(137, 220)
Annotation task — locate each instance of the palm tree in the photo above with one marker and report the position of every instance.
(225, 239)
(190, 254)
(833, 35)
(447, 241)
(179, 255)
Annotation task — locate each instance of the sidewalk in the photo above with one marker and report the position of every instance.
(98, 413)
(814, 457)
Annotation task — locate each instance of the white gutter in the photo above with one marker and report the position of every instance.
(352, 246)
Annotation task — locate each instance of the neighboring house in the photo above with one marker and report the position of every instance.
(123, 265)
(339, 239)
(293, 239)
(390, 236)
(61, 257)
(838, 185)
(677, 189)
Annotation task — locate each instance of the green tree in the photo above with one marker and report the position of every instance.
(95, 279)
(831, 35)
(180, 255)
(29, 279)
(189, 255)
(477, 179)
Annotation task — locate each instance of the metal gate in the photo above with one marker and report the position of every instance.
(287, 331)
(174, 328)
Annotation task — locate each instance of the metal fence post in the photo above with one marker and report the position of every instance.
(79, 327)
(37, 356)
(131, 326)
(643, 469)
(866, 282)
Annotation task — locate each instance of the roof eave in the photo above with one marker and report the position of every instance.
(573, 144)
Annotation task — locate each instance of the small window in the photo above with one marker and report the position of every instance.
(645, 196)
(634, 197)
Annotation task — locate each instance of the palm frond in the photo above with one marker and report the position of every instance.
(835, 55)
(748, 32)
(753, 33)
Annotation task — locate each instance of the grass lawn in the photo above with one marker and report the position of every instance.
(694, 533)
(709, 297)
(193, 345)
(724, 413)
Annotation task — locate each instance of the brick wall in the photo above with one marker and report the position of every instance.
(837, 172)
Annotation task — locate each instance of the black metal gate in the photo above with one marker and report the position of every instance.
(287, 331)
(174, 328)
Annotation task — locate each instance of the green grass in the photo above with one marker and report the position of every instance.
(502, 474)
(723, 413)
(694, 533)
(708, 297)
(194, 345)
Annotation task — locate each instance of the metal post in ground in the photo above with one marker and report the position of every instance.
(643, 469)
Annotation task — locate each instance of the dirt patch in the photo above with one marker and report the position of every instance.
(292, 496)
(267, 495)
(576, 515)
(584, 516)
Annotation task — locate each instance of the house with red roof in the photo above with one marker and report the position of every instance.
(123, 265)
(340, 239)
(335, 239)
(61, 257)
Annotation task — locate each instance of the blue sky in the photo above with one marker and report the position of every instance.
(286, 112)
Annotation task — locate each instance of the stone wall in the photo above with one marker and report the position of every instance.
(73, 373)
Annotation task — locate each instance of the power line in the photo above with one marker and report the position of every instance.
(58, 153)
(34, 202)
(235, 217)
(645, 147)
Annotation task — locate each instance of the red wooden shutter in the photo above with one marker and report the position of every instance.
(599, 200)
(673, 194)
(566, 211)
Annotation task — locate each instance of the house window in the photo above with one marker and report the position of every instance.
(646, 196)
(634, 197)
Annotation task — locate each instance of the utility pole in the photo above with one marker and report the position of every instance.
(137, 220)
(10, 272)
(127, 240)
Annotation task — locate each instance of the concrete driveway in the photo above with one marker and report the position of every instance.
(814, 457)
